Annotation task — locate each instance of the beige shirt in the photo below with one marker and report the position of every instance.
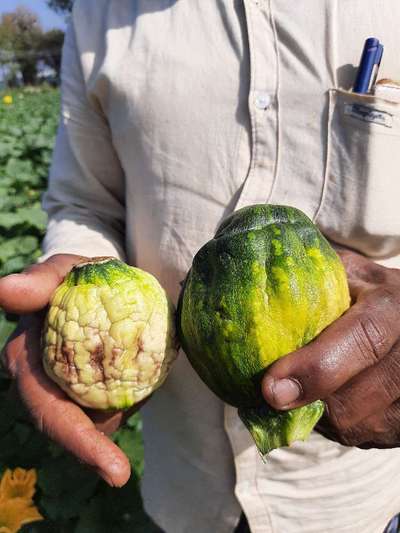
(176, 112)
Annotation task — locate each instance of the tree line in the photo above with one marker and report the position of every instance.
(25, 48)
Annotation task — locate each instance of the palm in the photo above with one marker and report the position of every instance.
(82, 432)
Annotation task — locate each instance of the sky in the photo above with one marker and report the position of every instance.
(47, 17)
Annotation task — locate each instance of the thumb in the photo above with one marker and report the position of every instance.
(30, 291)
(351, 344)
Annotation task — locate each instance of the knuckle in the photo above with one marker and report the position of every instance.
(387, 376)
(390, 420)
(371, 337)
(350, 437)
(364, 269)
(315, 380)
(337, 413)
(380, 430)
(393, 275)
(376, 274)
(388, 294)
(348, 257)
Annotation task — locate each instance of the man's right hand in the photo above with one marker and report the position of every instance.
(78, 431)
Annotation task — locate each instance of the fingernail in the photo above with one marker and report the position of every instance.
(284, 392)
(107, 478)
(117, 473)
(113, 472)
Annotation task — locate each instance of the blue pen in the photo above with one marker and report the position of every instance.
(369, 65)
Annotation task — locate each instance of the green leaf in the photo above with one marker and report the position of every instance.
(14, 200)
(9, 220)
(66, 485)
(16, 168)
(6, 181)
(15, 131)
(116, 511)
(134, 421)
(6, 328)
(16, 264)
(22, 432)
(91, 519)
(33, 125)
(72, 499)
(18, 246)
(6, 147)
(130, 441)
(35, 217)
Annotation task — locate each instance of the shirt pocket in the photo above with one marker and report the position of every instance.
(360, 205)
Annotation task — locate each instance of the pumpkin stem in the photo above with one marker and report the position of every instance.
(272, 429)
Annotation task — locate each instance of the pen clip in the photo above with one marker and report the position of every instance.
(377, 63)
(369, 64)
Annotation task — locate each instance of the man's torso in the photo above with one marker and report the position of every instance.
(213, 105)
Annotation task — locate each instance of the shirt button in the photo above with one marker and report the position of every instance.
(262, 100)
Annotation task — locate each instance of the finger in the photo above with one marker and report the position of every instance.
(16, 341)
(380, 430)
(356, 341)
(370, 392)
(326, 429)
(31, 290)
(105, 422)
(110, 422)
(362, 273)
(63, 421)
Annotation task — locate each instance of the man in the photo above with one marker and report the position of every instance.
(174, 114)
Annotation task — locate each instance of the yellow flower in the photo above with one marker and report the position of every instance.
(16, 513)
(16, 506)
(19, 483)
(7, 99)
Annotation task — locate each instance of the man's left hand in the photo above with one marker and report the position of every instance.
(353, 365)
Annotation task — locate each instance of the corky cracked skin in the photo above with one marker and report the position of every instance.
(109, 337)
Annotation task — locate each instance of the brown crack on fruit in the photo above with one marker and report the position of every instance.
(94, 260)
(96, 360)
(67, 358)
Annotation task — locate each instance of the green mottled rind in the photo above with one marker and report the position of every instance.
(109, 336)
(267, 284)
(272, 429)
(103, 271)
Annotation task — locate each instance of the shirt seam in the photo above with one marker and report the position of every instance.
(327, 158)
(277, 100)
(253, 77)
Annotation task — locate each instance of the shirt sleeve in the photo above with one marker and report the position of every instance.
(85, 196)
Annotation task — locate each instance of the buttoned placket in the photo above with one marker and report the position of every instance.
(263, 103)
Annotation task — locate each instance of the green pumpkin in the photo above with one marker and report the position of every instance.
(265, 285)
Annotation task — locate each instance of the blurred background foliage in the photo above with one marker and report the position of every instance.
(71, 498)
(62, 6)
(28, 54)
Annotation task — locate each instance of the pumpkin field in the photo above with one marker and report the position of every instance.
(43, 489)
